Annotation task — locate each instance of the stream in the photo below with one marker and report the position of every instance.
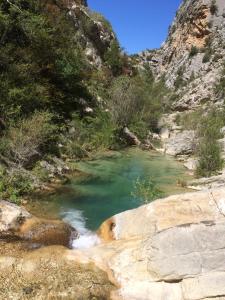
(104, 188)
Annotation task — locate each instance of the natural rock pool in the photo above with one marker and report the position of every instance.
(105, 186)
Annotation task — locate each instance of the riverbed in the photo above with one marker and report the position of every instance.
(105, 187)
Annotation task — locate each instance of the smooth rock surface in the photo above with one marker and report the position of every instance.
(172, 248)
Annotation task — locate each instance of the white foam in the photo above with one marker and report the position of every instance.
(86, 241)
(76, 219)
(86, 238)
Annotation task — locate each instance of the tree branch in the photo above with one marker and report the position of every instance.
(12, 4)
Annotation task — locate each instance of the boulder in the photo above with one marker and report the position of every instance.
(171, 249)
(47, 232)
(130, 137)
(180, 143)
(11, 217)
(17, 223)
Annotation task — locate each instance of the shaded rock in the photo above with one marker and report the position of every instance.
(130, 137)
(17, 223)
(47, 232)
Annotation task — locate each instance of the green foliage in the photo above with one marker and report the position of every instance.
(207, 55)
(179, 80)
(220, 86)
(209, 150)
(146, 190)
(113, 58)
(136, 99)
(23, 143)
(41, 63)
(213, 7)
(190, 120)
(210, 159)
(89, 135)
(14, 184)
(193, 51)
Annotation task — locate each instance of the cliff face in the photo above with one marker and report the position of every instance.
(95, 33)
(191, 58)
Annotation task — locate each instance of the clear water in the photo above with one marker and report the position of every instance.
(106, 186)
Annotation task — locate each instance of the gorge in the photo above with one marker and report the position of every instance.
(95, 200)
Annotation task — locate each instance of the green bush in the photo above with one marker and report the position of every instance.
(113, 58)
(22, 144)
(190, 120)
(146, 190)
(220, 87)
(136, 99)
(208, 149)
(89, 135)
(210, 159)
(14, 184)
(193, 51)
(42, 64)
(207, 56)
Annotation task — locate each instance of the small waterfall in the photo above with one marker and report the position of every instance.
(86, 237)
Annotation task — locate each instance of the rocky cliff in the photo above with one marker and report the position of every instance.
(93, 32)
(191, 59)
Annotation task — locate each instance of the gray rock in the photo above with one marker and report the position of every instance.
(181, 143)
(11, 217)
(131, 138)
(191, 164)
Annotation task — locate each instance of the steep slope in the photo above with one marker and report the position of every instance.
(191, 59)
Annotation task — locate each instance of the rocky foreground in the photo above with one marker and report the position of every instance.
(173, 248)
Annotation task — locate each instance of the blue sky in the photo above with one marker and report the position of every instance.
(139, 24)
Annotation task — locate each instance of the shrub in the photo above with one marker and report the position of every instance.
(146, 190)
(14, 184)
(220, 86)
(208, 149)
(23, 143)
(88, 135)
(207, 56)
(213, 7)
(137, 99)
(210, 159)
(190, 120)
(113, 58)
(125, 101)
(193, 51)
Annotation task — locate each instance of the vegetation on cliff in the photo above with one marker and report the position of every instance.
(54, 100)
